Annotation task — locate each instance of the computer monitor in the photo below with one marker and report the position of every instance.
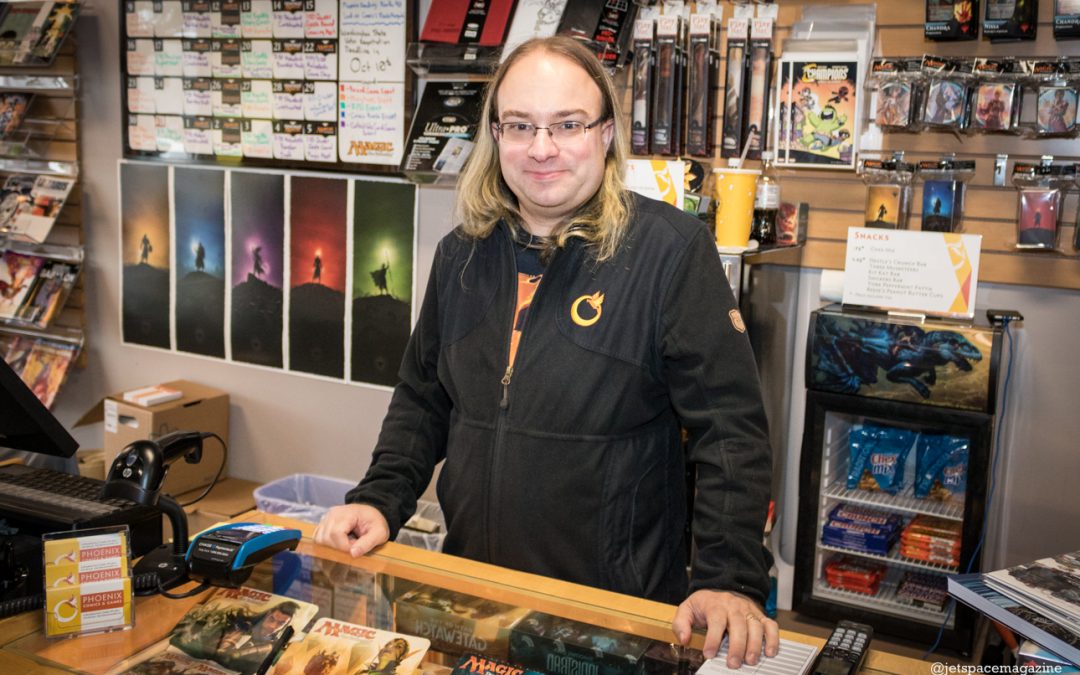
(25, 423)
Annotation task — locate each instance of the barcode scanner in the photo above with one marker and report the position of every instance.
(139, 470)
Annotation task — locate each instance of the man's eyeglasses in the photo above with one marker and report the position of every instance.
(522, 133)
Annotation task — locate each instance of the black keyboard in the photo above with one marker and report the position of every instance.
(39, 500)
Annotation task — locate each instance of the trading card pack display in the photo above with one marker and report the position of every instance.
(734, 103)
(818, 107)
(702, 76)
(759, 73)
(1041, 189)
(946, 92)
(898, 83)
(644, 63)
(951, 20)
(995, 98)
(888, 192)
(1066, 19)
(560, 646)
(1008, 20)
(667, 99)
(944, 186)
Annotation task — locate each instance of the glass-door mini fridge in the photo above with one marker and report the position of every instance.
(897, 438)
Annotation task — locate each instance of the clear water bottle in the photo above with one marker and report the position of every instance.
(766, 203)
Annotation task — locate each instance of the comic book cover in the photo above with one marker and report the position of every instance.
(819, 104)
(16, 190)
(17, 274)
(335, 647)
(233, 631)
(15, 349)
(51, 26)
(14, 28)
(46, 298)
(34, 217)
(13, 107)
(47, 366)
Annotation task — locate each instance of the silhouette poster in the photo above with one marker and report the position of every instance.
(382, 288)
(258, 268)
(317, 271)
(199, 203)
(144, 237)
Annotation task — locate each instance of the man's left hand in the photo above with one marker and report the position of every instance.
(719, 611)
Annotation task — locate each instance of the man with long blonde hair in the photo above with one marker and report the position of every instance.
(568, 333)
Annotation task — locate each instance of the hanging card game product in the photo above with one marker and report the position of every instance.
(1041, 189)
(1066, 19)
(943, 193)
(666, 90)
(951, 20)
(443, 129)
(468, 22)
(995, 100)
(1055, 110)
(1007, 20)
(613, 31)
(818, 101)
(700, 71)
(759, 73)
(734, 103)
(946, 94)
(642, 85)
(533, 18)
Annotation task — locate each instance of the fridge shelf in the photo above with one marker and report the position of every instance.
(893, 558)
(903, 502)
(885, 601)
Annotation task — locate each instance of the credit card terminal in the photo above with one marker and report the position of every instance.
(845, 651)
(226, 555)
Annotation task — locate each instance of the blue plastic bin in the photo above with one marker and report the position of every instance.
(303, 496)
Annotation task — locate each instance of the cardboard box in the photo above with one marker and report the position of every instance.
(457, 623)
(559, 646)
(91, 463)
(201, 408)
(228, 499)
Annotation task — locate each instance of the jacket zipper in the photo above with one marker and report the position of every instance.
(504, 401)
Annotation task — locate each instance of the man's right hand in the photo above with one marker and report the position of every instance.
(353, 528)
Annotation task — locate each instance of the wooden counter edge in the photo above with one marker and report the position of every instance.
(591, 605)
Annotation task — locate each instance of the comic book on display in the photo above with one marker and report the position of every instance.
(30, 205)
(46, 367)
(235, 630)
(818, 98)
(31, 33)
(13, 107)
(17, 274)
(46, 298)
(14, 29)
(333, 646)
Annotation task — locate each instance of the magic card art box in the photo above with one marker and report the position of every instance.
(457, 623)
(935, 362)
(560, 646)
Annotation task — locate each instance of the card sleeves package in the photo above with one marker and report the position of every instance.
(941, 463)
(560, 646)
(877, 455)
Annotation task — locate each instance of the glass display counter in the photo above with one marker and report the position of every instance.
(461, 606)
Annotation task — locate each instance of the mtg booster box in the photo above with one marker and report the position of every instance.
(457, 623)
(560, 646)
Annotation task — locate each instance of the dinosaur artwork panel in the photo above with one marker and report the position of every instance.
(933, 363)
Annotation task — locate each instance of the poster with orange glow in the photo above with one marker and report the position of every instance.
(144, 254)
(382, 288)
(317, 271)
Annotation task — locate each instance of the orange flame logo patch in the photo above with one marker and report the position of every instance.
(595, 301)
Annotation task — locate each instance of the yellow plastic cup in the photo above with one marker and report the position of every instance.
(734, 193)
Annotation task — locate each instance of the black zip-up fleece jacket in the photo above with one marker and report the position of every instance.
(571, 465)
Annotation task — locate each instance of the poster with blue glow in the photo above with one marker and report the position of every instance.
(199, 203)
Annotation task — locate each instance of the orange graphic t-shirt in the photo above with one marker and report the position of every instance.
(526, 289)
